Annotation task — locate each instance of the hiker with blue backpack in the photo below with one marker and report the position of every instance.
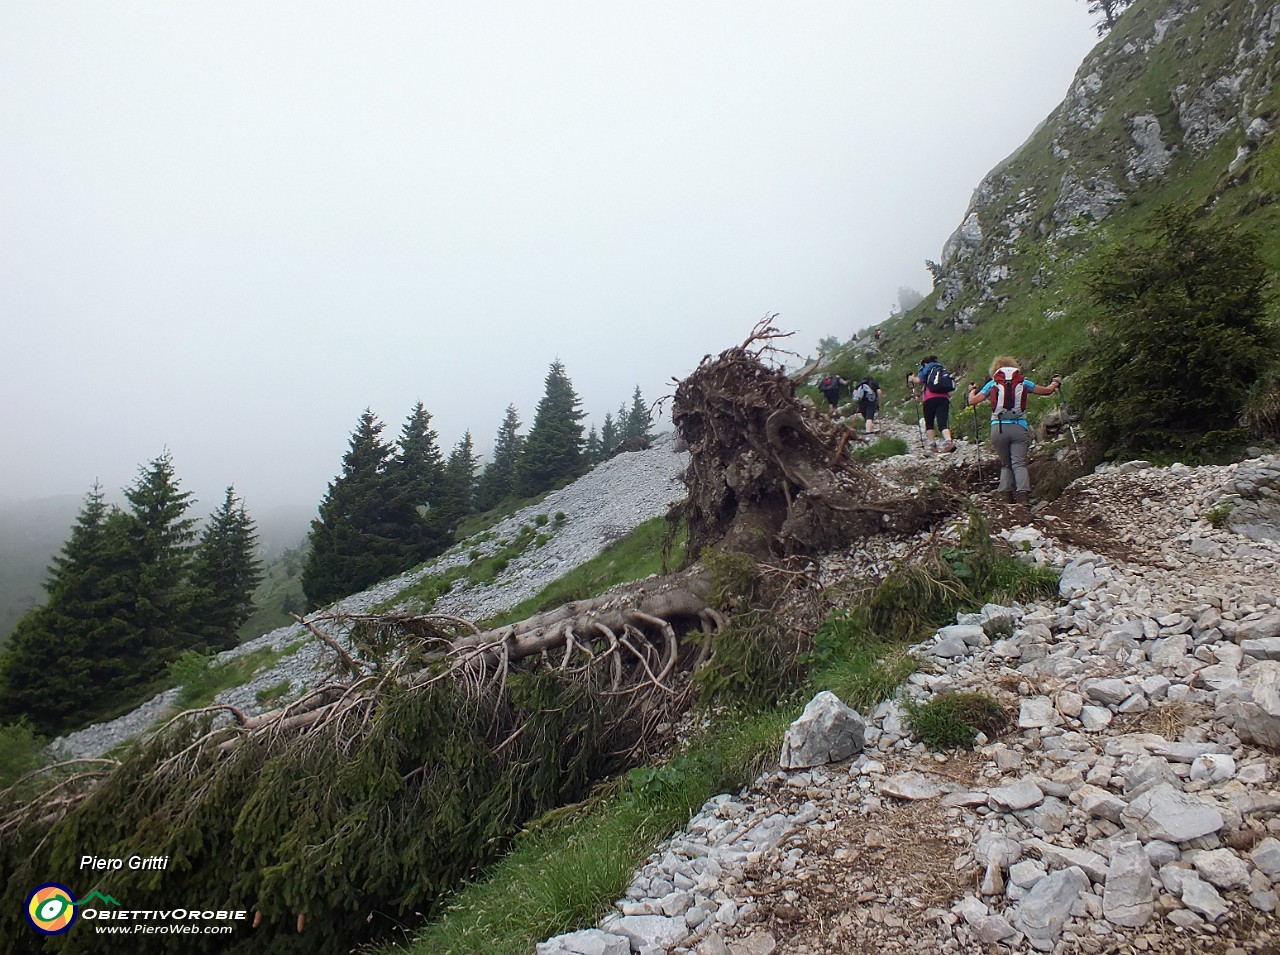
(1007, 393)
(938, 385)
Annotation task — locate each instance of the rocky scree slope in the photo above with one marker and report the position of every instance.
(599, 508)
(1133, 807)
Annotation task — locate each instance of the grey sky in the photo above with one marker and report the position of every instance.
(227, 228)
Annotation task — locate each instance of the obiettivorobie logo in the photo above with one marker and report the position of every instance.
(51, 908)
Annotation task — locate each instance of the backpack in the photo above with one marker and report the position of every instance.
(828, 384)
(937, 378)
(1008, 394)
(864, 392)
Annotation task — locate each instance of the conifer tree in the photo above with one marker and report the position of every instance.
(637, 419)
(418, 469)
(608, 436)
(359, 536)
(591, 453)
(159, 536)
(1110, 9)
(77, 652)
(553, 451)
(1181, 333)
(498, 482)
(460, 482)
(225, 572)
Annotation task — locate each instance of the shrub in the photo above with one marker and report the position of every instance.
(21, 750)
(754, 663)
(1180, 338)
(952, 720)
(1262, 406)
(1217, 516)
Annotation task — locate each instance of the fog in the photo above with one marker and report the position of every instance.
(228, 228)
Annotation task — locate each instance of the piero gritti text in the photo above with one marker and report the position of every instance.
(137, 863)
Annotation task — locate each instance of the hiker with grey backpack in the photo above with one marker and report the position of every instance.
(1007, 393)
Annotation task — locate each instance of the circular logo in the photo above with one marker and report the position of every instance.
(51, 909)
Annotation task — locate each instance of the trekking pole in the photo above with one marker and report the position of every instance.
(977, 443)
(919, 411)
(1066, 417)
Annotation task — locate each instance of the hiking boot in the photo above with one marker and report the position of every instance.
(1008, 496)
(947, 448)
(1023, 498)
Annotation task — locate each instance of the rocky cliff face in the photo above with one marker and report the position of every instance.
(1178, 88)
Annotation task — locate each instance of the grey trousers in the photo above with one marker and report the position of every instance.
(1012, 442)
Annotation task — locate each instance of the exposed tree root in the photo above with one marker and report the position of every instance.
(768, 474)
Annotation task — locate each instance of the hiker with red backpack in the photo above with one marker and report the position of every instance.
(1007, 393)
(938, 385)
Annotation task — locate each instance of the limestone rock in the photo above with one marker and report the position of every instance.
(826, 732)
(1165, 812)
(1128, 897)
(1045, 910)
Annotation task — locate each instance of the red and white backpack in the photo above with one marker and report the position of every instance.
(1008, 394)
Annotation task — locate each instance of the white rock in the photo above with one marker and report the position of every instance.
(1202, 898)
(1221, 867)
(1165, 812)
(1128, 898)
(1213, 767)
(586, 942)
(911, 786)
(1043, 913)
(1266, 856)
(1038, 712)
(826, 732)
(1017, 796)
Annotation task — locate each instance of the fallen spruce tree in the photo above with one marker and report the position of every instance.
(358, 808)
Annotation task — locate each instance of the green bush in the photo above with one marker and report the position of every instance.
(754, 663)
(1180, 337)
(21, 750)
(952, 720)
(1262, 406)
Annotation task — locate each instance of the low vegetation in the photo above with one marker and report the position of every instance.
(201, 678)
(954, 720)
(881, 448)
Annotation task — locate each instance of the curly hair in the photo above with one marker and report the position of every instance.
(1003, 361)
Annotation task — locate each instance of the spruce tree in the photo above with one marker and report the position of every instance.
(359, 536)
(637, 419)
(225, 572)
(498, 482)
(591, 453)
(418, 475)
(608, 436)
(78, 653)
(553, 451)
(460, 482)
(159, 537)
(1181, 334)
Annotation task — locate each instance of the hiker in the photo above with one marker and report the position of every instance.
(877, 334)
(1010, 437)
(831, 386)
(938, 386)
(868, 396)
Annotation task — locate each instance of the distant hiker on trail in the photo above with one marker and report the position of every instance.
(868, 396)
(831, 386)
(877, 334)
(1010, 437)
(938, 386)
